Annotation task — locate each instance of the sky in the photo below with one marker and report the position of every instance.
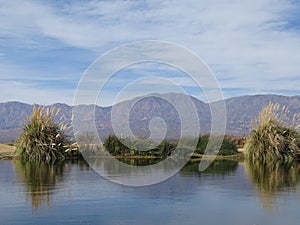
(251, 46)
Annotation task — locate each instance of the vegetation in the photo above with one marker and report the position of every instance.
(239, 141)
(42, 139)
(228, 146)
(271, 140)
(6, 151)
(125, 147)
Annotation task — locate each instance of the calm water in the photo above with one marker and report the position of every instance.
(227, 193)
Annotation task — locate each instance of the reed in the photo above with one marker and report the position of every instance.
(273, 138)
(42, 138)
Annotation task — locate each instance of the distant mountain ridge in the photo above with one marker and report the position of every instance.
(240, 111)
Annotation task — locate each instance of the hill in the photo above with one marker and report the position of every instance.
(240, 111)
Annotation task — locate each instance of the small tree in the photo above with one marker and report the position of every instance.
(271, 139)
(42, 138)
(228, 147)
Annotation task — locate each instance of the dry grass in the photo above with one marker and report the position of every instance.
(42, 137)
(274, 137)
(6, 148)
(7, 151)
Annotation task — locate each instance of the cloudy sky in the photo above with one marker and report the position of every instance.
(251, 46)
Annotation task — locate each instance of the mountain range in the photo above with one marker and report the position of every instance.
(240, 112)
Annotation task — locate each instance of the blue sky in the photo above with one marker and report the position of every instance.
(252, 46)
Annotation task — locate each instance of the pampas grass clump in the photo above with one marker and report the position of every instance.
(273, 138)
(42, 138)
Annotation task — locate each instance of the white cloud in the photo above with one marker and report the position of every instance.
(31, 93)
(248, 41)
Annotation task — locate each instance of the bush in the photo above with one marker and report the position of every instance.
(135, 147)
(115, 146)
(164, 149)
(42, 138)
(228, 147)
(271, 140)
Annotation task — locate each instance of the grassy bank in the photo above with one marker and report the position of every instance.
(7, 151)
(238, 156)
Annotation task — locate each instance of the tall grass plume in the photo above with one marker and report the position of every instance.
(42, 137)
(274, 136)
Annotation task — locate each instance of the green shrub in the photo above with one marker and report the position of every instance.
(42, 138)
(164, 149)
(115, 146)
(228, 147)
(135, 147)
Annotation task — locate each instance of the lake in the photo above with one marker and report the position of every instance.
(227, 193)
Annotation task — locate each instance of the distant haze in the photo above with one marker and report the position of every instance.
(240, 112)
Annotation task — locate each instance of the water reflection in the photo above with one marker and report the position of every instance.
(216, 167)
(40, 180)
(139, 161)
(186, 198)
(43, 179)
(272, 179)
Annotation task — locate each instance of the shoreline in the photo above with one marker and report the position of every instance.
(7, 152)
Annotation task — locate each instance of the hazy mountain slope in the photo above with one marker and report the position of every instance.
(240, 111)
